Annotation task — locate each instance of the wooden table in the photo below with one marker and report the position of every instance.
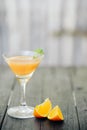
(66, 87)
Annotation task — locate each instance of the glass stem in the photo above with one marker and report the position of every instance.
(23, 83)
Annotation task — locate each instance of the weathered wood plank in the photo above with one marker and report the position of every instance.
(55, 84)
(33, 96)
(57, 87)
(6, 83)
(79, 81)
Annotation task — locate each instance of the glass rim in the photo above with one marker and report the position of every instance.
(36, 55)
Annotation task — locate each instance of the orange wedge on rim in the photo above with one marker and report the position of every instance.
(43, 109)
(55, 114)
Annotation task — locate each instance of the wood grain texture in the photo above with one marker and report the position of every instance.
(33, 97)
(47, 82)
(58, 88)
(80, 87)
(6, 83)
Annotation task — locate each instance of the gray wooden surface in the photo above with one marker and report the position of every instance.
(66, 87)
(57, 26)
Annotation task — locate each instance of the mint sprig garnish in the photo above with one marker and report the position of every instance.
(38, 52)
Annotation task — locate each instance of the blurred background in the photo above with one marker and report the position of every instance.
(57, 26)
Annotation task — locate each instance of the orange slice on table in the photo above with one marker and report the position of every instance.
(42, 110)
(56, 114)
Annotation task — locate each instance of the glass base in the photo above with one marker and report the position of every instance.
(21, 112)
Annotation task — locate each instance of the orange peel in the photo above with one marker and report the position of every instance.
(42, 110)
(55, 114)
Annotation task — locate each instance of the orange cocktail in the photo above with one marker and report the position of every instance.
(23, 65)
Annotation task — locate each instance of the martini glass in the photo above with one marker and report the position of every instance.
(23, 64)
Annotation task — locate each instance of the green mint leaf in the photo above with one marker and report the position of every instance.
(37, 52)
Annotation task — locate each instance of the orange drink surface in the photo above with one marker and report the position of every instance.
(23, 65)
